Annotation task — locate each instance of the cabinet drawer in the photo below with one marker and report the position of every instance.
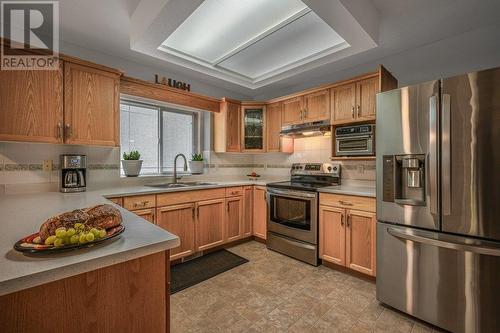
(347, 201)
(234, 191)
(175, 198)
(139, 202)
(118, 201)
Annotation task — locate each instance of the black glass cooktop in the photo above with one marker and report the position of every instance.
(304, 186)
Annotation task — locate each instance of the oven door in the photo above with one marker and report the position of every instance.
(293, 213)
(354, 145)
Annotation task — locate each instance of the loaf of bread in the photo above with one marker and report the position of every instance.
(100, 217)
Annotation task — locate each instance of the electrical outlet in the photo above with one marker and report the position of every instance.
(47, 165)
(361, 168)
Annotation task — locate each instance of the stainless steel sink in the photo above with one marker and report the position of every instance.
(180, 184)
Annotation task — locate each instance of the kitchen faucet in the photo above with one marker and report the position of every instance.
(175, 166)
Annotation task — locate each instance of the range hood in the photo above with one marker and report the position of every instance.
(306, 130)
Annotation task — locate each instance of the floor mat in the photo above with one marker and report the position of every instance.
(200, 269)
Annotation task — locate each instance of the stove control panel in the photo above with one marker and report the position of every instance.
(332, 169)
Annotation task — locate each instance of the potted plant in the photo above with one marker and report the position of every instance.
(196, 163)
(131, 163)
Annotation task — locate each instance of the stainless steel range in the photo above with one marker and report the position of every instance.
(292, 222)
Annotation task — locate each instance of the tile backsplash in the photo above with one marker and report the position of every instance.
(21, 164)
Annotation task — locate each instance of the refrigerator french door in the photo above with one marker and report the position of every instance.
(438, 201)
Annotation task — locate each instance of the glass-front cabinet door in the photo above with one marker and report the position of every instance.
(253, 128)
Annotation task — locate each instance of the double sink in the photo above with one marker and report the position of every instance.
(181, 184)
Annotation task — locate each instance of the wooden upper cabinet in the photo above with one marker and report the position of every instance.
(179, 220)
(247, 211)
(31, 105)
(273, 127)
(317, 106)
(210, 223)
(332, 234)
(292, 111)
(260, 212)
(91, 105)
(366, 91)
(360, 241)
(253, 128)
(343, 103)
(234, 218)
(227, 127)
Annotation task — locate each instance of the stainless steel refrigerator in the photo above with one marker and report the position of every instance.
(438, 201)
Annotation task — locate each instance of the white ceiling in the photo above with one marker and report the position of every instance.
(252, 39)
(415, 39)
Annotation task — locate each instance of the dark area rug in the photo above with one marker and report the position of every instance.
(200, 269)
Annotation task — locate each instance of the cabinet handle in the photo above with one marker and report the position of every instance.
(141, 204)
(357, 111)
(352, 112)
(265, 199)
(345, 203)
(227, 207)
(305, 113)
(341, 219)
(348, 218)
(300, 114)
(60, 131)
(198, 211)
(67, 130)
(193, 212)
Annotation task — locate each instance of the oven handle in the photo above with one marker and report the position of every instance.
(292, 194)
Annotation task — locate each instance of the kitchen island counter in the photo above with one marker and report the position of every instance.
(22, 215)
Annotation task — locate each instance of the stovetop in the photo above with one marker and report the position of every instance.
(303, 186)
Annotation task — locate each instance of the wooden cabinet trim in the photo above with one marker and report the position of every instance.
(135, 87)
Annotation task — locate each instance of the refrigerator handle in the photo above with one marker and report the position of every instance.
(449, 242)
(433, 154)
(446, 155)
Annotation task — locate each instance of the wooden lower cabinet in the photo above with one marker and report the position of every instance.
(332, 234)
(147, 214)
(179, 220)
(210, 216)
(260, 212)
(234, 218)
(247, 211)
(360, 241)
(347, 236)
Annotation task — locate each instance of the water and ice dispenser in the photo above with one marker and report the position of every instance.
(404, 179)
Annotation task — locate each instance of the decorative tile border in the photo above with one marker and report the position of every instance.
(16, 167)
(8, 167)
(279, 166)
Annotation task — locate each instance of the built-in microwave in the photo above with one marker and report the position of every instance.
(356, 140)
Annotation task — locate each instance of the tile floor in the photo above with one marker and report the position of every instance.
(274, 293)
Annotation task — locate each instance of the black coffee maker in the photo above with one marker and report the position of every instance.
(73, 173)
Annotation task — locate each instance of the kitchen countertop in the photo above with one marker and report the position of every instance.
(351, 189)
(22, 215)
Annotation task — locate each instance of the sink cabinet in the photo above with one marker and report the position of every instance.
(179, 220)
(210, 216)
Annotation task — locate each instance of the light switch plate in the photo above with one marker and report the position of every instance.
(47, 165)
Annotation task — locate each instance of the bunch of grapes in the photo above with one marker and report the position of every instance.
(79, 234)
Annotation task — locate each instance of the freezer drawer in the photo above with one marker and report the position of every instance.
(449, 281)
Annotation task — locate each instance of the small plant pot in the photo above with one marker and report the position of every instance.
(132, 168)
(196, 166)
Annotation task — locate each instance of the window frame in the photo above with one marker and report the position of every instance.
(161, 108)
